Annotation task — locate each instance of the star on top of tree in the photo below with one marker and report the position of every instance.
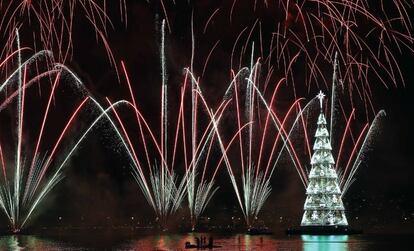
(320, 96)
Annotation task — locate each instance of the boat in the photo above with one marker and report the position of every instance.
(201, 244)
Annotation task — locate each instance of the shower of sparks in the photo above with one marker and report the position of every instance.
(347, 163)
(175, 152)
(28, 179)
(52, 22)
(257, 126)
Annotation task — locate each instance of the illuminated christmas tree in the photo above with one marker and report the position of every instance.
(323, 205)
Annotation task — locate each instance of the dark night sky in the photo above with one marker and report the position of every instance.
(98, 183)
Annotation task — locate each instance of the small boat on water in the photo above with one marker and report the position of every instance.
(201, 244)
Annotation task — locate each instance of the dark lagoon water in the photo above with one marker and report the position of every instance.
(228, 242)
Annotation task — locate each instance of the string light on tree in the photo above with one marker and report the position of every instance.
(323, 205)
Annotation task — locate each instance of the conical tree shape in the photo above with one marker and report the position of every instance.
(323, 205)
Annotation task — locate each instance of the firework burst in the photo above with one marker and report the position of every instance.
(257, 125)
(347, 162)
(52, 22)
(369, 37)
(174, 148)
(32, 174)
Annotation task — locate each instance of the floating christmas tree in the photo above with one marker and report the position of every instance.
(323, 205)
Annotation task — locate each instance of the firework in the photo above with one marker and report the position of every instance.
(33, 174)
(257, 125)
(52, 22)
(26, 183)
(347, 163)
(369, 38)
(174, 148)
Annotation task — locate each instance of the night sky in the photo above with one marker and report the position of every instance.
(98, 186)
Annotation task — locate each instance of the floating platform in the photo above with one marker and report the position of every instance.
(189, 245)
(322, 230)
(194, 246)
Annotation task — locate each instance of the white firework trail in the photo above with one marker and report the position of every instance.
(23, 190)
(255, 180)
(372, 131)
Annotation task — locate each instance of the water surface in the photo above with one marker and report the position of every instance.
(228, 242)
